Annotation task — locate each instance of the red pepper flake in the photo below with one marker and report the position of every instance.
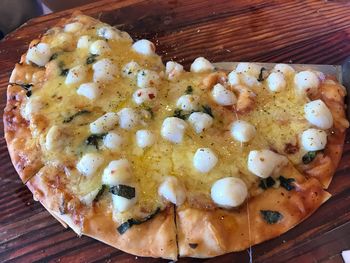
(151, 96)
(139, 94)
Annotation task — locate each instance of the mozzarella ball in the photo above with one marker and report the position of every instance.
(242, 131)
(188, 102)
(117, 172)
(172, 190)
(39, 54)
(306, 81)
(99, 47)
(200, 65)
(104, 70)
(249, 69)
(200, 121)
(204, 160)
(128, 118)
(147, 78)
(318, 114)
(314, 139)
(84, 42)
(76, 75)
(144, 95)
(54, 138)
(105, 123)
(89, 197)
(229, 192)
(285, 69)
(264, 163)
(89, 164)
(249, 81)
(73, 27)
(130, 70)
(173, 70)
(234, 78)
(173, 129)
(145, 138)
(144, 47)
(276, 82)
(223, 96)
(32, 107)
(112, 33)
(89, 90)
(122, 204)
(113, 141)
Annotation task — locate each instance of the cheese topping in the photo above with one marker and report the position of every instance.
(122, 117)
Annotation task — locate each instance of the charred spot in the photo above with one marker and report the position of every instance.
(193, 245)
(289, 148)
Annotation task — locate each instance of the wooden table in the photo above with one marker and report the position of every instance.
(268, 31)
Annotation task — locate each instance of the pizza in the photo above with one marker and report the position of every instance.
(162, 162)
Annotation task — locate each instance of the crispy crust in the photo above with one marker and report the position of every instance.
(211, 233)
(325, 164)
(25, 154)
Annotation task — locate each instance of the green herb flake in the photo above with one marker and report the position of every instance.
(309, 157)
(131, 222)
(91, 59)
(100, 193)
(271, 217)
(54, 56)
(266, 183)
(122, 190)
(64, 72)
(261, 74)
(94, 139)
(189, 90)
(180, 114)
(207, 110)
(286, 183)
(70, 118)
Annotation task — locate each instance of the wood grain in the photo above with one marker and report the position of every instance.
(267, 31)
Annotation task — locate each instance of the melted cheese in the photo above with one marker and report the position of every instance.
(151, 165)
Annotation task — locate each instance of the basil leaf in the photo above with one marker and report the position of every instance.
(207, 110)
(180, 114)
(26, 87)
(286, 183)
(122, 190)
(70, 118)
(94, 139)
(309, 157)
(54, 56)
(64, 72)
(189, 90)
(91, 59)
(267, 183)
(261, 74)
(131, 222)
(100, 193)
(271, 217)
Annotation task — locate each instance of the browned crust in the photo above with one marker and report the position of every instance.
(210, 233)
(154, 238)
(326, 163)
(25, 154)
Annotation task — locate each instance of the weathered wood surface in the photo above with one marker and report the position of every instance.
(268, 31)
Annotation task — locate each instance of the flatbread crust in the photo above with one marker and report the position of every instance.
(24, 152)
(211, 233)
(200, 233)
(326, 162)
